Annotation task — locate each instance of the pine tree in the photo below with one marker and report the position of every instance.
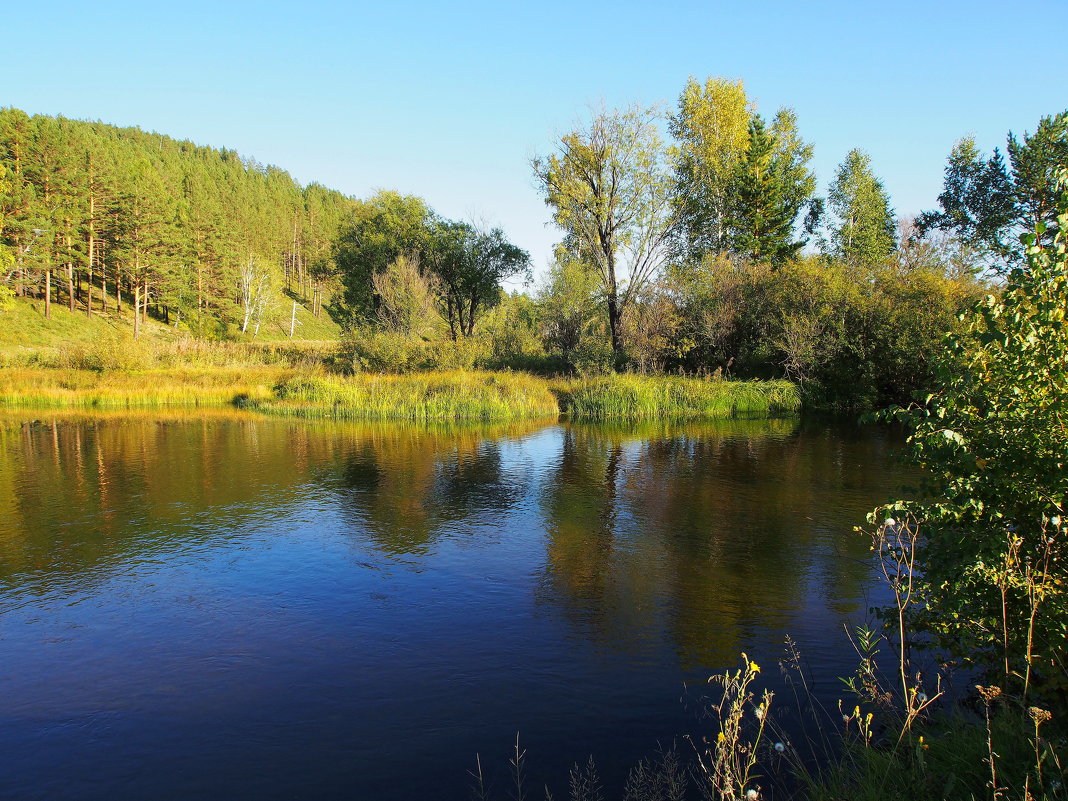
(763, 209)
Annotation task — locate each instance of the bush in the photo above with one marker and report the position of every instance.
(369, 349)
(994, 520)
(107, 354)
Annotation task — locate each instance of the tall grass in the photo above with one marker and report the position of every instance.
(88, 389)
(292, 383)
(635, 397)
(455, 395)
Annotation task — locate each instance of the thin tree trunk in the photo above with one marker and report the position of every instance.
(48, 293)
(91, 250)
(293, 320)
(137, 309)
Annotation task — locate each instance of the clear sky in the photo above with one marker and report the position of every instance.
(450, 101)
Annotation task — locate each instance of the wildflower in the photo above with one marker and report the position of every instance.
(779, 748)
(759, 711)
(921, 698)
(1039, 715)
(751, 794)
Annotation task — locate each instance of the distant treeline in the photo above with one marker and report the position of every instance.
(105, 216)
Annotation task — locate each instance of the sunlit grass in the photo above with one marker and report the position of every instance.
(299, 387)
(88, 389)
(634, 397)
(454, 395)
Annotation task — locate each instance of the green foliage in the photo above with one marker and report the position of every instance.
(381, 229)
(470, 265)
(407, 302)
(512, 336)
(740, 184)
(994, 441)
(862, 230)
(711, 128)
(977, 201)
(110, 215)
(570, 310)
(851, 338)
(763, 221)
(948, 759)
(613, 195)
(987, 205)
(1035, 162)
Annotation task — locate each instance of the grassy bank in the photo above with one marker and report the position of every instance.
(454, 395)
(296, 387)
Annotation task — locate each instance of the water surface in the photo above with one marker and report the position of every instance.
(220, 605)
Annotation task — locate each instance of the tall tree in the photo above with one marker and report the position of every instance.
(471, 264)
(768, 197)
(977, 203)
(614, 196)
(862, 231)
(711, 128)
(381, 229)
(1035, 161)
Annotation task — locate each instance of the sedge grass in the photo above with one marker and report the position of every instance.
(635, 397)
(453, 395)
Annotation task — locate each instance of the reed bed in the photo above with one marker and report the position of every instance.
(148, 389)
(442, 396)
(636, 397)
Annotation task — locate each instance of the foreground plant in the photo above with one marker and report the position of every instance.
(994, 441)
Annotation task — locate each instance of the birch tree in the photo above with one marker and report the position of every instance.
(256, 281)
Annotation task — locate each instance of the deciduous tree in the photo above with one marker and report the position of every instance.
(614, 196)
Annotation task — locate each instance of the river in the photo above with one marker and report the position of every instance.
(218, 605)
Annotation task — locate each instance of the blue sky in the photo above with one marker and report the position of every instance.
(450, 102)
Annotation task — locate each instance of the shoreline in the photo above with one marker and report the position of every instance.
(446, 395)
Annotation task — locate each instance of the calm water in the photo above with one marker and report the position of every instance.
(231, 607)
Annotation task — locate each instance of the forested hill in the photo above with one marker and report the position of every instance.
(105, 217)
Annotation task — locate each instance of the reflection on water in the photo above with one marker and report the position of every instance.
(217, 604)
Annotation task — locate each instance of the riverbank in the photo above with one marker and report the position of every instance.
(452, 395)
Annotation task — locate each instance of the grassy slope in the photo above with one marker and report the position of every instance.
(25, 331)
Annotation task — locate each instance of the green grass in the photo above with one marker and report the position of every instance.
(441, 396)
(73, 340)
(634, 397)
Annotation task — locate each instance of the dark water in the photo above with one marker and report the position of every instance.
(222, 606)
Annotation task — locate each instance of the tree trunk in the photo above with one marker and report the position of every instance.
(293, 320)
(91, 249)
(48, 293)
(613, 325)
(137, 309)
